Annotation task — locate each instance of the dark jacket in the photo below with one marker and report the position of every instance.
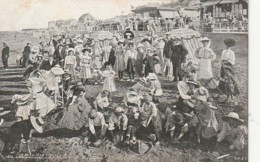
(179, 54)
(27, 50)
(46, 65)
(5, 52)
(167, 50)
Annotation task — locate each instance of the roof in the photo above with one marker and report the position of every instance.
(228, 1)
(210, 2)
(81, 18)
(148, 8)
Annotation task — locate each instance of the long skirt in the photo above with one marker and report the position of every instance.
(85, 73)
(44, 104)
(109, 84)
(71, 69)
(205, 69)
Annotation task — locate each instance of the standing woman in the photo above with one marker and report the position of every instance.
(85, 63)
(70, 63)
(205, 55)
(130, 58)
(227, 60)
(120, 59)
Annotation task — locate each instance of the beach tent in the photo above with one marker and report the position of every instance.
(191, 41)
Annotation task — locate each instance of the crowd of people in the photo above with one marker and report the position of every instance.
(58, 72)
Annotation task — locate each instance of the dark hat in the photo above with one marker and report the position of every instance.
(192, 82)
(146, 40)
(86, 49)
(230, 42)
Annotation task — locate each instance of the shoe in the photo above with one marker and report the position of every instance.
(157, 143)
(128, 80)
(132, 80)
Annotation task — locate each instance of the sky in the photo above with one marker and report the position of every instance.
(20, 14)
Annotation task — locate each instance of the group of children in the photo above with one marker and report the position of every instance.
(138, 116)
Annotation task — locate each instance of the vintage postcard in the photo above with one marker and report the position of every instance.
(124, 80)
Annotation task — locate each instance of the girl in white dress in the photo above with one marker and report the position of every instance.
(85, 63)
(109, 74)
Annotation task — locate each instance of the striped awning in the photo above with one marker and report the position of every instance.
(228, 1)
(211, 2)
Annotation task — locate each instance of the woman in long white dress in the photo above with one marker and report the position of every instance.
(109, 74)
(205, 55)
(43, 103)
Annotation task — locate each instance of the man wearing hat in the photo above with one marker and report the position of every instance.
(167, 37)
(118, 124)
(179, 53)
(167, 54)
(5, 55)
(234, 131)
(152, 122)
(48, 61)
(177, 126)
(26, 52)
(96, 125)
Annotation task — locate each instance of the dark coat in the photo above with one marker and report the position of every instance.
(5, 52)
(150, 62)
(112, 57)
(46, 65)
(27, 50)
(179, 54)
(167, 50)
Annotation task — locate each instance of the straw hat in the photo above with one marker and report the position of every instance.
(37, 123)
(71, 49)
(230, 42)
(119, 110)
(3, 112)
(192, 82)
(233, 115)
(57, 70)
(152, 76)
(167, 33)
(35, 49)
(205, 39)
(149, 49)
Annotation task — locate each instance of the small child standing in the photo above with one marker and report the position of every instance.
(96, 66)
(231, 88)
(70, 63)
(85, 63)
(109, 74)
